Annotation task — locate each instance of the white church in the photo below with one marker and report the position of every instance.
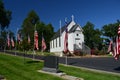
(75, 38)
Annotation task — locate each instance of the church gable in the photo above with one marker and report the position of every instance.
(76, 27)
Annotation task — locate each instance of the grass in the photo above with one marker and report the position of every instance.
(15, 68)
(88, 75)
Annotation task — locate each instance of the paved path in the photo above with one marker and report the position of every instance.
(99, 63)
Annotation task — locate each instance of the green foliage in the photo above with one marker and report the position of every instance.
(18, 68)
(28, 25)
(92, 36)
(3, 38)
(110, 30)
(5, 16)
(31, 23)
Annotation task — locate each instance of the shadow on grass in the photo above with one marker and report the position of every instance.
(72, 63)
(31, 62)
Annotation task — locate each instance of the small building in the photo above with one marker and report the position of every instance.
(75, 39)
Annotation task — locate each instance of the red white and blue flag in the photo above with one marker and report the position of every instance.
(43, 44)
(8, 40)
(36, 40)
(18, 38)
(12, 41)
(114, 46)
(66, 41)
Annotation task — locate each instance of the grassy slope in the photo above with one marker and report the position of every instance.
(89, 75)
(14, 68)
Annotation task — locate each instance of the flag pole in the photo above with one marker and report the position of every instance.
(41, 48)
(5, 47)
(61, 54)
(34, 43)
(16, 41)
(66, 43)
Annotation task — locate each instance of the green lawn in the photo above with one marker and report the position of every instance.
(15, 68)
(89, 75)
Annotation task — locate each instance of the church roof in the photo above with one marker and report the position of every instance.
(57, 34)
(73, 29)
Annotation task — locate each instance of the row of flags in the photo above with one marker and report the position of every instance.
(36, 41)
(10, 41)
(114, 46)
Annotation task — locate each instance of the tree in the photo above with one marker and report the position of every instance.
(92, 36)
(110, 30)
(28, 27)
(31, 23)
(3, 38)
(45, 30)
(5, 16)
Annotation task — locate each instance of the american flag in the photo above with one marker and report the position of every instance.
(8, 40)
(43, 44)
(12, 41)
(36, 40)
(66, 41)
(18, 38)
(115, 46)
(117, 51)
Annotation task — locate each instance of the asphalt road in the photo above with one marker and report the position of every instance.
(99, 63)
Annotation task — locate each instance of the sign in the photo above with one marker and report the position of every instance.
(51, 64)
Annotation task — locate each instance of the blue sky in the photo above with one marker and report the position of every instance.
(99, 12)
